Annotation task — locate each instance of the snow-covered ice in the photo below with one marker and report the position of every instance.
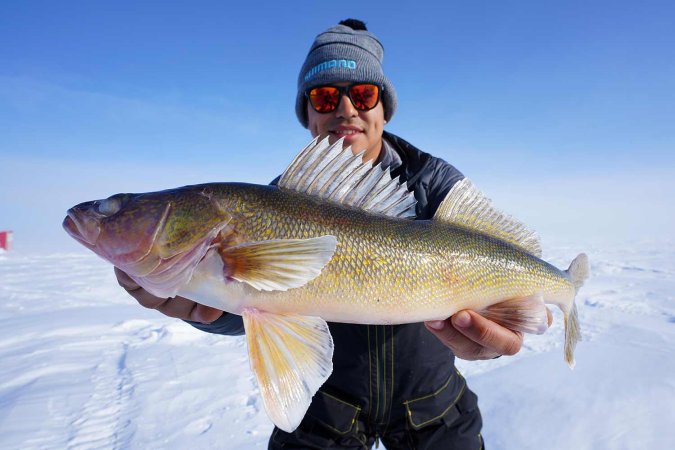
(83, 366)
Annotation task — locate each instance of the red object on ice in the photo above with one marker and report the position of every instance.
(6, 240)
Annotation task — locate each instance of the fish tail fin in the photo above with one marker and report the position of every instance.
(578, 270)
(572, 335)
(578, 273)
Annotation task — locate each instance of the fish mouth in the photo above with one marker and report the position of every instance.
(81, 227)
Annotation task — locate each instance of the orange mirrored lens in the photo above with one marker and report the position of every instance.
(364, 96)
(324, 99)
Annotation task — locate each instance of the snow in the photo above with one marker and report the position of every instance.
(83, 366)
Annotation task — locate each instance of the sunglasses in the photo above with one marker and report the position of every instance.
(325, 99)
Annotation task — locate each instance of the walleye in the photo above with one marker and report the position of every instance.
(332, 242)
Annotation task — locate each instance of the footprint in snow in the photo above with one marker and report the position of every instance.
(198, 427)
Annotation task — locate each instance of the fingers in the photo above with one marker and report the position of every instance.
(125, 281)
(182, 308)
(549, 317)
(487, 333)
(185, 309)
(178, 307)
(461, 346)
(141, 295)
(471, 336)
(204, 314)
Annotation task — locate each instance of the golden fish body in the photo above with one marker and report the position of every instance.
(384, 271)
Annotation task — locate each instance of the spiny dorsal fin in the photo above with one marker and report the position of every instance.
(331, 173)
(465, 205)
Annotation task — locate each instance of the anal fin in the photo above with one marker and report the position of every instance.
(291, 357)
(526, 314)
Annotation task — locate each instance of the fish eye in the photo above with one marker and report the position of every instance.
(108, 207)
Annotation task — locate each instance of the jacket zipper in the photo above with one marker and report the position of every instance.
(382, 394)
(384, 379)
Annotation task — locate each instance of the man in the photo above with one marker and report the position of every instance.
(395, 383)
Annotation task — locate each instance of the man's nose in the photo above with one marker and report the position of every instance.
(346, 108)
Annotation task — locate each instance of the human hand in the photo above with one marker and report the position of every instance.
(472, 337)
(178, 307)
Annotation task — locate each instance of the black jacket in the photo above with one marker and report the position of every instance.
(386, 374)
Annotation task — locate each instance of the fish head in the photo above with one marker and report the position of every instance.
(122, 229)
(149, 234)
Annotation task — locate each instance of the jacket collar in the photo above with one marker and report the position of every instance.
(413, 159)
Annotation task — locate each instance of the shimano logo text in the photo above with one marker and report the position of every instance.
(347, 63)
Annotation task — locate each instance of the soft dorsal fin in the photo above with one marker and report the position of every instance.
(336, 175)
(466, 206)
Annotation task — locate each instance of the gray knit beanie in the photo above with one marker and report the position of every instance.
(343, 53)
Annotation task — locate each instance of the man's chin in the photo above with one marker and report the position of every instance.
(356, 141)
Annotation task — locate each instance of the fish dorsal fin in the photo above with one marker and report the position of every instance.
(466, 206)
(336, 175)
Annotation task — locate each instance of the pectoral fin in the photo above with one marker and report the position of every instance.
(279, 264)
(526, 314)
(291, 356)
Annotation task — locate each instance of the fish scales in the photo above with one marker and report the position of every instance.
(384, 270)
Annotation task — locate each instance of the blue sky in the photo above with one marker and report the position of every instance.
(562, 111)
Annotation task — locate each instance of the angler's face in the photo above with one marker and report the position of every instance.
(361, 129)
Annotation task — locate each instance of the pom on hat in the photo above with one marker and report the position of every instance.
(354, 24)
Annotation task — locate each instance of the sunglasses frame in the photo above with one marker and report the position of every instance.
(344, 90)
